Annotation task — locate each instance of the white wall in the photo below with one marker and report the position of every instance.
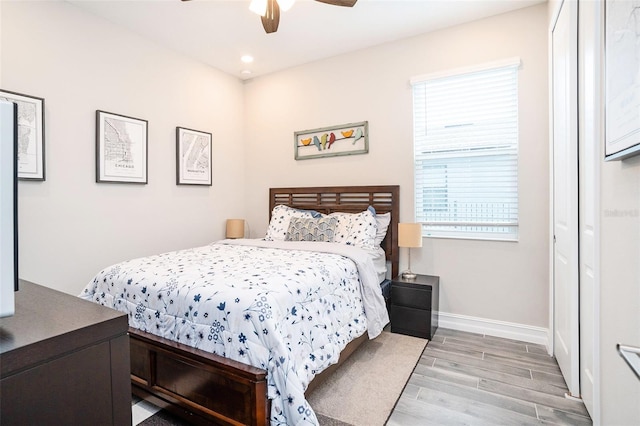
(619, 267)
(490, 280)
(69, 226)
(620, 289)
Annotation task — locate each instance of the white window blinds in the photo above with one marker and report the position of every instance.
(466, 152)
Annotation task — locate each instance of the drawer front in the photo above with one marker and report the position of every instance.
(419, 298)
(414, 322)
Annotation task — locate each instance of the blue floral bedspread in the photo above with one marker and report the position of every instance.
(287, 311)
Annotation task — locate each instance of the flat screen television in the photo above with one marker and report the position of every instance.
(8, 207)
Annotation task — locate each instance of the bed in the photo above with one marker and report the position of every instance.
(178, 371)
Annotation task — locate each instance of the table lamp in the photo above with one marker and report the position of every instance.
(235, 228)
(410, 236)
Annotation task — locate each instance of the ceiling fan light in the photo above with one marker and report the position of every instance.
(285, 4)
(258, 6)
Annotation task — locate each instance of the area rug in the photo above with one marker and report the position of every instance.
(364, 390)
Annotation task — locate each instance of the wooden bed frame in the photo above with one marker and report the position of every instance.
(205, 388)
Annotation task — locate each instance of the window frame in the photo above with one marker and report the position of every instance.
(460, 230)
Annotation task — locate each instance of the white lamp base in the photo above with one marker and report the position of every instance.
(408, 275)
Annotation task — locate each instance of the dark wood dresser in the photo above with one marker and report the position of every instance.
(414, 305)
(63, 360)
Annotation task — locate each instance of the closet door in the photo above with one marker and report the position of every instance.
(565, 194)
(591, 131)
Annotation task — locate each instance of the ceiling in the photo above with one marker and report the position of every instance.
(219, 32)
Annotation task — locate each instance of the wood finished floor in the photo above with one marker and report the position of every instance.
(468, 379)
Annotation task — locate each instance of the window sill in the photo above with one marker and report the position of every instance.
(460, 237)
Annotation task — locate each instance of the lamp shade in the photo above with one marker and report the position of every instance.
(409, 235)
(235, 228)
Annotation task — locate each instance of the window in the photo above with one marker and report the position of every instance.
(466, 152)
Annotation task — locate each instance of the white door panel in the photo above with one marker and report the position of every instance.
(565, 196)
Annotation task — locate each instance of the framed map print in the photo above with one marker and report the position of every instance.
(622, 74)
(30, 134)
(121, 148)
(193, 157)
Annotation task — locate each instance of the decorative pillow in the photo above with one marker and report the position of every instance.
(362, 231)
(280, 217)
(382, 222)
(311, 229)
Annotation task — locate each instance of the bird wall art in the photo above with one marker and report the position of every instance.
(347, 139)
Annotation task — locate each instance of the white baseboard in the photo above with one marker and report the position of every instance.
(508, 330)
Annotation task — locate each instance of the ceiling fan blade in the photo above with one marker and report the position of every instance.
(346, 3)
(271, 19)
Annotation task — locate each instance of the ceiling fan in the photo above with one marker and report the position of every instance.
(269, 10)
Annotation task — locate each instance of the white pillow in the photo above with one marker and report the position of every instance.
(362, 231)
(280, 217)
(382, 220)
(343, 226)
(357, 229)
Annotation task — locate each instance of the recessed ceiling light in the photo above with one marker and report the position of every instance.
(247, 59)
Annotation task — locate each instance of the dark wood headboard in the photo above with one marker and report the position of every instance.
(348, 199)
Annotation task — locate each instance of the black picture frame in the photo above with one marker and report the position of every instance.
(31, 135)
(121, 148)
(194, 151)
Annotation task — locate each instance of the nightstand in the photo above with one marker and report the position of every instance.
(414, 306)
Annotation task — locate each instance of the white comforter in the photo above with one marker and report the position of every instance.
(287, 307)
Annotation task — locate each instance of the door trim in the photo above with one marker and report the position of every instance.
(591, 44)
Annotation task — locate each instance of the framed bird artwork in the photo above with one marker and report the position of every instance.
(345, 139)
